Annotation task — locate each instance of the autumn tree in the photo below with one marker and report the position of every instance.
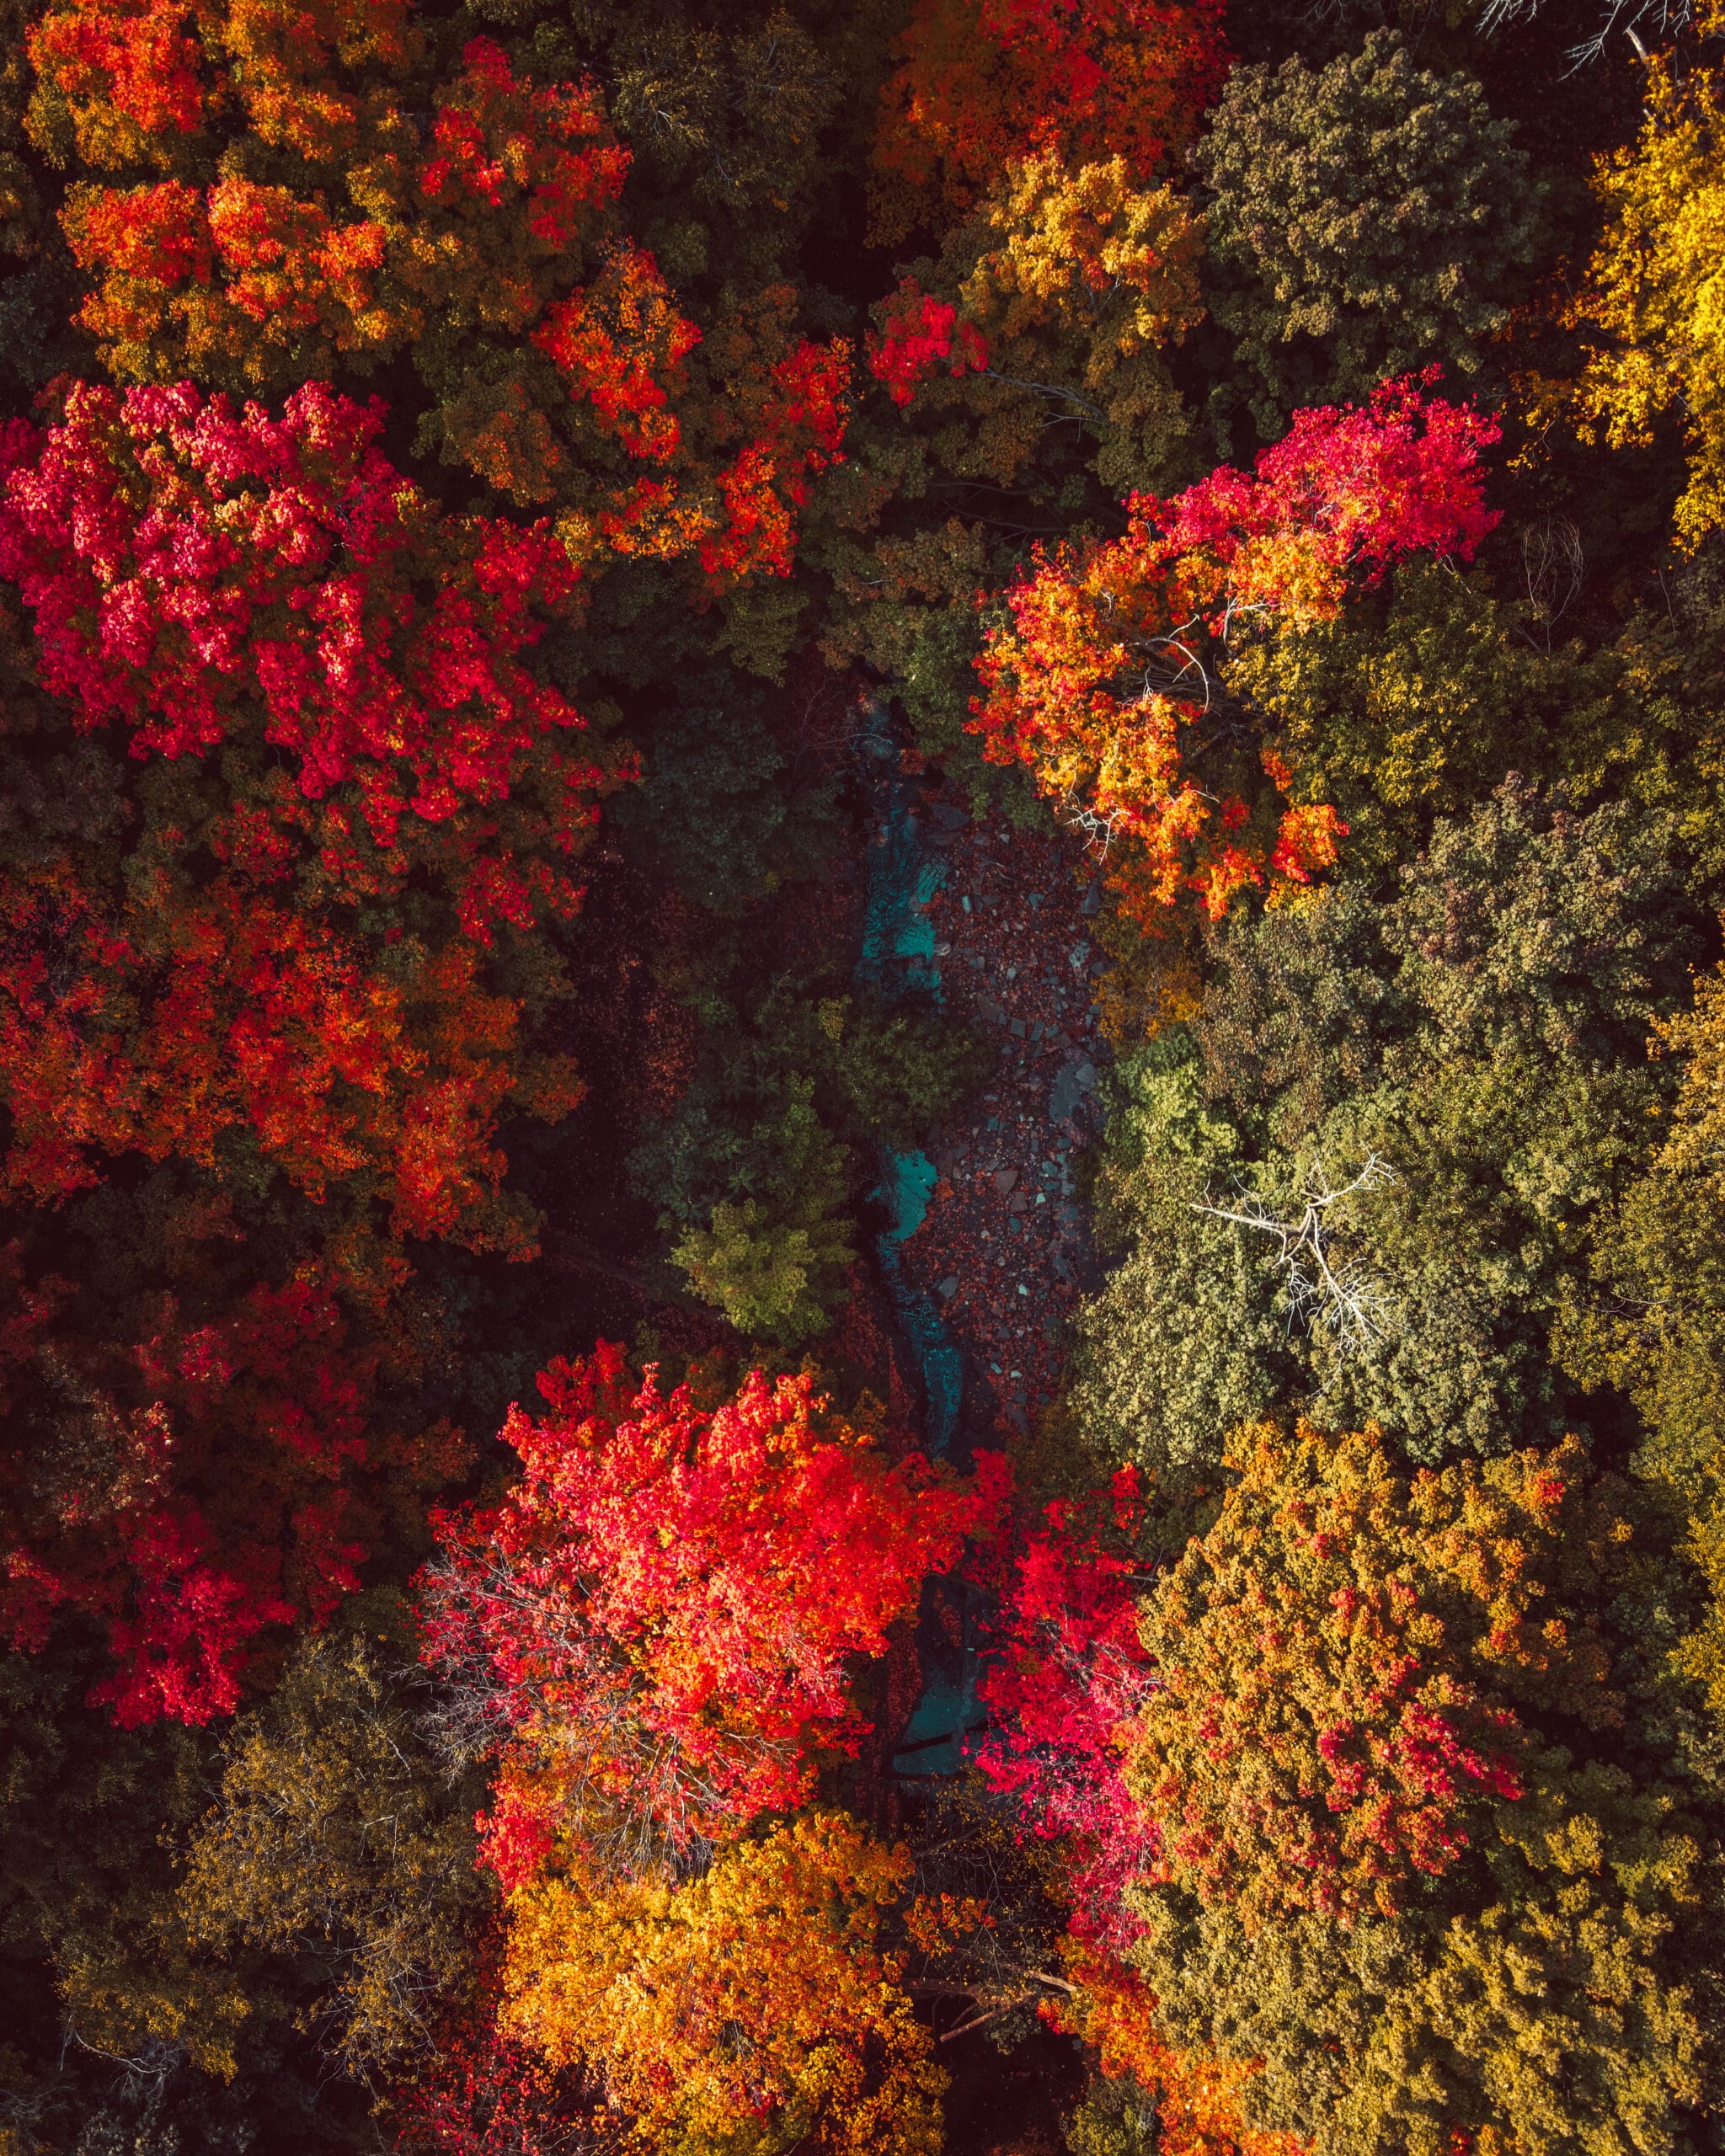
(484, 2094)
(290, 789)
(270, 210)
(1363, 221)
(1064, 1692)
(1028, 364)
(1659, 348)
(651, 1631)
(1143, 2086)
(337, 1844)
(1098, 681)
(979, 85)
(754, 2006)
(288, 616)
(1392, 1807)
(197, 1487)
(1062, 293)
(1368, 1745)
(1435, 1739)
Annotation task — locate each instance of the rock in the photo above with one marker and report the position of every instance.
(948, 1289)
(1016, 1029)
(1069, 1088)
(1004, 1179)
(1093, 899)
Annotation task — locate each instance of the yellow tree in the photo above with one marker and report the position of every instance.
(1051, 305)
(755, 2007)
(1657, 286)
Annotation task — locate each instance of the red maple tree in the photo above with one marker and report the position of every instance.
(652, 1628)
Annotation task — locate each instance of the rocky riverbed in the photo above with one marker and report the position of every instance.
(1003, 1247)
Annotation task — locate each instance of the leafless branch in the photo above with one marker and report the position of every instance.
(1048, 389)
(1344, 1297)
(1095, 826)
(1661, 18)
(989, 2014)
(1552, 565)
(579, 1709)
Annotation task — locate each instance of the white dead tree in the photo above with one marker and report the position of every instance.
(1343, 1295)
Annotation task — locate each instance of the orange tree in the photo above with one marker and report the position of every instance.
(279, 195)
(1100, 680)
(325, 747)
(654, 1634)
(980, 83)
(1339, 1663)
(1060, 295)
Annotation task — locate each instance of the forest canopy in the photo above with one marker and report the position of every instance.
(861, 1027)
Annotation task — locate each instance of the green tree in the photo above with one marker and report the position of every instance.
(756, 1169)
(1481, 1039)
(1364, 221)
(1419, 700)
(1656, 1327)
(900, 1071)
(775, 1279)
(338, 1841)
(716, 812)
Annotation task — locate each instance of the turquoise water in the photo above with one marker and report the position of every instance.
(898, 959)
(898, 940)
(907, 1183)
(947, 1711)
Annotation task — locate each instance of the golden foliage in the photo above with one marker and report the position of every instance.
(752, 2008)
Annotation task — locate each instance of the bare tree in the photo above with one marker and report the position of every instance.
(1553, 563)
(1657, 18)
(1344, 1296)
